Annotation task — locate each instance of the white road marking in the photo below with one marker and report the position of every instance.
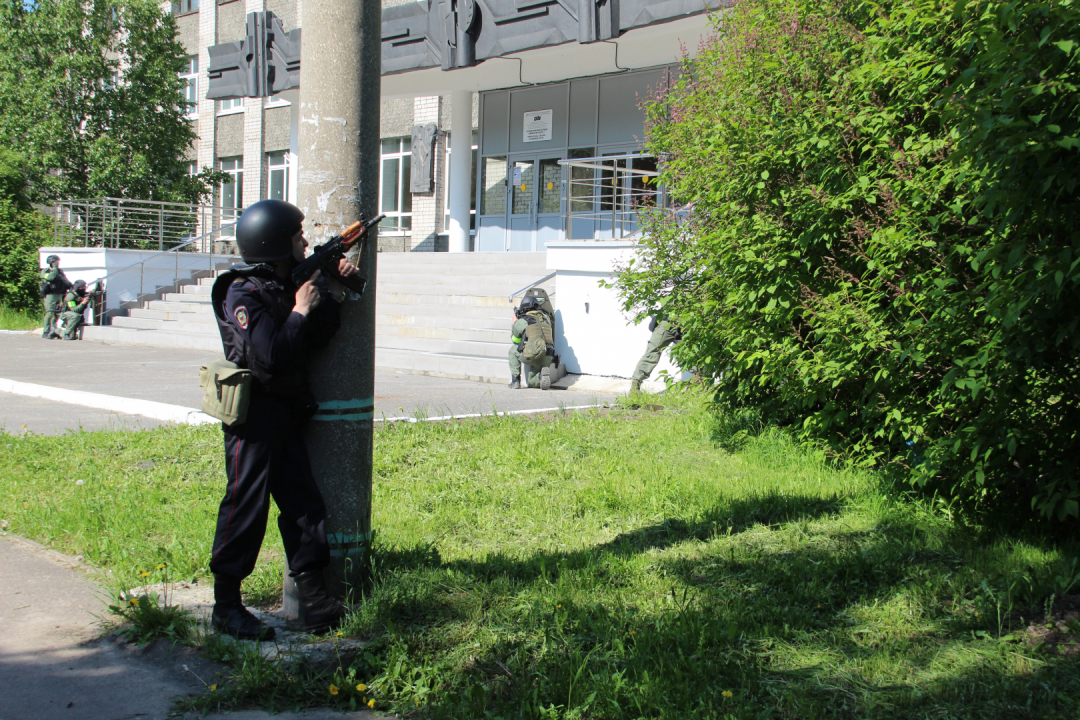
(190, 416)
(129, 406)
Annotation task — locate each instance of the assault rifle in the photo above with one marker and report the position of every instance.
(327, 256)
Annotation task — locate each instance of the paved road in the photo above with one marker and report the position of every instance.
(55, 666)
(170, 375)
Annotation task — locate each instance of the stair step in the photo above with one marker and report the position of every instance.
(186, 298)
(149, 314)
(180, 307)
(452, 346)
(152, 338)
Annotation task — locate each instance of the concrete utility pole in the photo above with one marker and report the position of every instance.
(339, 179)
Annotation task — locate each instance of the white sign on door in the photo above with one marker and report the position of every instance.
(537, 126)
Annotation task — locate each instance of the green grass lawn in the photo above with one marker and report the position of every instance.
(11, 319)
(622, 564)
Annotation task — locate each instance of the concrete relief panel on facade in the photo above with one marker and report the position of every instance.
(231, 22)
(423, 157)
(230, 135)
(276, 129)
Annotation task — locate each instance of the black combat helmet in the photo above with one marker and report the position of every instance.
(265, 231)
(52, 259)
(79, 286)
(529, 303)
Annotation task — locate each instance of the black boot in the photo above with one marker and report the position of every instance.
(319, 611)
(515, 382)
(230, 617)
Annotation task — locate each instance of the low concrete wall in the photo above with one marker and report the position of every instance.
(125, 287)
(594, 335)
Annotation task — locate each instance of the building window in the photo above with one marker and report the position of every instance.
(185, 7)
(279, 166)
(192, 168)
(446, 189)
(493, 186)
(394, 181)
(232, 193)
(191, 89)
(231, 105)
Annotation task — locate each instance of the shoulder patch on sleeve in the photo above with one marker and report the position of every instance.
(241, 315)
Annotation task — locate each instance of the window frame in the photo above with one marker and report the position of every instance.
(228, 212)
(232, 109)
(286, 167)
(404, 193)
(192, 77)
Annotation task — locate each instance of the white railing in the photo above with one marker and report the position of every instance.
(604, 196)
(141, 224)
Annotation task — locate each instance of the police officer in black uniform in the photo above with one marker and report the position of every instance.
(271, 327)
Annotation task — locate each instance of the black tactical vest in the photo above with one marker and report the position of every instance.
(266, 286)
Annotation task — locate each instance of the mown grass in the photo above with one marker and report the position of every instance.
(12, 319)
(626, 564)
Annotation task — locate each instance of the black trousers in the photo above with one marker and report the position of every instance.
(265, 457)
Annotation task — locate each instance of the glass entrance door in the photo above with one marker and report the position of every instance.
(535, 203)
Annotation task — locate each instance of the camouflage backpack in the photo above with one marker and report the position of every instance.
(539, 338)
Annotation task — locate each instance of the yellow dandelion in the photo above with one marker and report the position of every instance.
(361, 687)
(340, 634)
(371, 703)
(727, 693)
(213, 688)
(333, 689)
(633, 632)
(134, 601)
(160, 567)
(144, 574)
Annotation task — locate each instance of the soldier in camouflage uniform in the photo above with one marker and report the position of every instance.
(663, 334)
(76, 303)
(540, 370)
(55, 284)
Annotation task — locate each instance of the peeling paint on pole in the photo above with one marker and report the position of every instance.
(338, 178)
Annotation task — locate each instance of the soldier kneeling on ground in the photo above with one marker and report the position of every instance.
(271, 327)
(76, 303)
(664, 333)
(533, 340)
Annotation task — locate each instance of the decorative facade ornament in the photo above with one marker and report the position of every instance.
(264, 63)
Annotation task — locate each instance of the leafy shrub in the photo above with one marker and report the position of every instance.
(883, 250)
(22, 231)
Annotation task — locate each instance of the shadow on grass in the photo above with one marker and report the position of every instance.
(837, 624)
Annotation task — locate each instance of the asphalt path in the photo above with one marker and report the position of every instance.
(170, 375)
(56, 663)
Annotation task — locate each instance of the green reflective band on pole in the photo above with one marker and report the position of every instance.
(348, 544)
(346, 410)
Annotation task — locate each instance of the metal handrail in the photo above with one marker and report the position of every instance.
(530, 287)
(166, 252)
(124, 222)
(609, 195)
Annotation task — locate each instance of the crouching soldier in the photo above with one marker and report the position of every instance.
(75, 303)
(270, 326)
(533, 341)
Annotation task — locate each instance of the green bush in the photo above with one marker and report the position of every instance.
(22, 231)
(883, 247)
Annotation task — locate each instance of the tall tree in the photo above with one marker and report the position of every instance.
(91, 96)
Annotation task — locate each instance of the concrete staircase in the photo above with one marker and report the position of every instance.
(437, 314)
(447, 314)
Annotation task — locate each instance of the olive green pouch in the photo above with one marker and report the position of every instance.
(228, 391)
